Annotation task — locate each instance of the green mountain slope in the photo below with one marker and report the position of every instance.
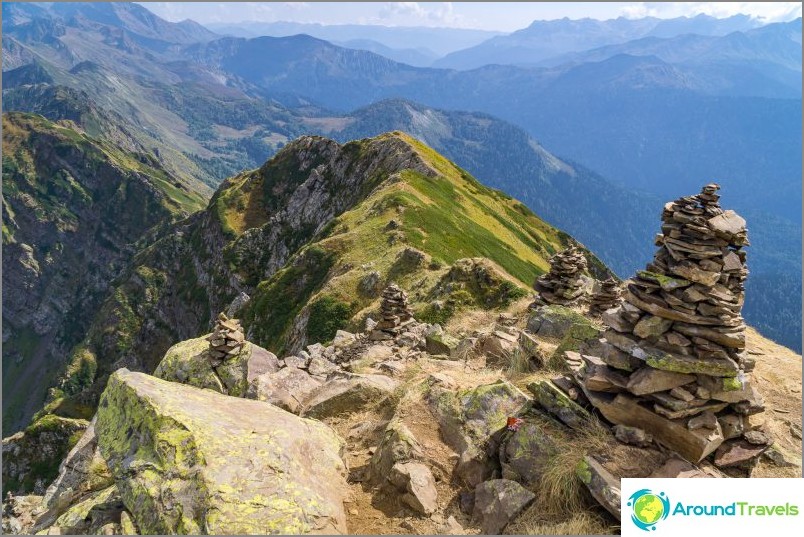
(302, 247)
(73, 206)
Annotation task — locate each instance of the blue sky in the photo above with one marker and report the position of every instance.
(502, 16)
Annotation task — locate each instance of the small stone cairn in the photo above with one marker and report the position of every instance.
(607, 297)
(226, 339)
(395, 313)
(674, 353)
(564, 283)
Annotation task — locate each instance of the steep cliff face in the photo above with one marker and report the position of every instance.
(287, 246)
(73, 207)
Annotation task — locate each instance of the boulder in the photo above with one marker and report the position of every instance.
(28, 455)
(83, 471)
(417, 481)
(346, 395)
(91, 514)
(526, 454)
(189, 363)
(193, 461)
(499, 348)
(557, 403)
(343, 339)
(605, 488)
(498, 502)
(397, 445)
(286, 388)
(554, 321)
(471, 422)
(320, 366)
(440, 343)
(578, 336)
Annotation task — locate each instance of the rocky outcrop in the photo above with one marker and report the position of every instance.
(472, 422)
(187, 460)
(31, 457)
(341, 396)
(192, 362)
(498, 502)
(71, 211)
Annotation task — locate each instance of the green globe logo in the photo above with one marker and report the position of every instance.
(648, 508)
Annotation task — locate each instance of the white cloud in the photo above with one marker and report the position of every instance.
(419, 13)
(764, 11)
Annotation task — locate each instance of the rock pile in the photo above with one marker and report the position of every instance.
(564, 283)
(672, 361)
(226, 339)
(607, 297)
(395, 313)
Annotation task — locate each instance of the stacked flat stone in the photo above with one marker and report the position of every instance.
(226, 339)
(675, 348)
(564, 283)
(394, 311)
(607, 297)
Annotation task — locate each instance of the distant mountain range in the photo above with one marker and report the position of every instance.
(546, 39)
(652, 125)
(431, 41)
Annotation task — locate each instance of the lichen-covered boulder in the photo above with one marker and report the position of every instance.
(341, 396)
(526, 453)
(554, 321)
(286, 388)
(397, 445)
(31, 456)
(472, 421)
(187, 460)
(189, 363)
(82, 472)
(498, 502)
(95, 511)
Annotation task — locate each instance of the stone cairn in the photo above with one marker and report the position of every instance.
(673, 359)
(395, 313)
(607, 297)
(564, 283)
(226, 339)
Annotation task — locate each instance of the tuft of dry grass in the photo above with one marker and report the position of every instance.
(560, 491)
(531, 522)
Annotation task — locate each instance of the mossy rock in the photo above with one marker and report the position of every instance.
(555, 321)
(91, 513)
(526, 454)
(574, 338)
(189, 363)
(31, 457)
(472, 421)
(193, 461)
(441, 344)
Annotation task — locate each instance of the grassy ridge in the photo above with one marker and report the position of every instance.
(446, 217)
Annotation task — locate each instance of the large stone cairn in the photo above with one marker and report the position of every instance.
(395, 313)
(226, 339)
(564, 283)
(607, 297)
(674, 352)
